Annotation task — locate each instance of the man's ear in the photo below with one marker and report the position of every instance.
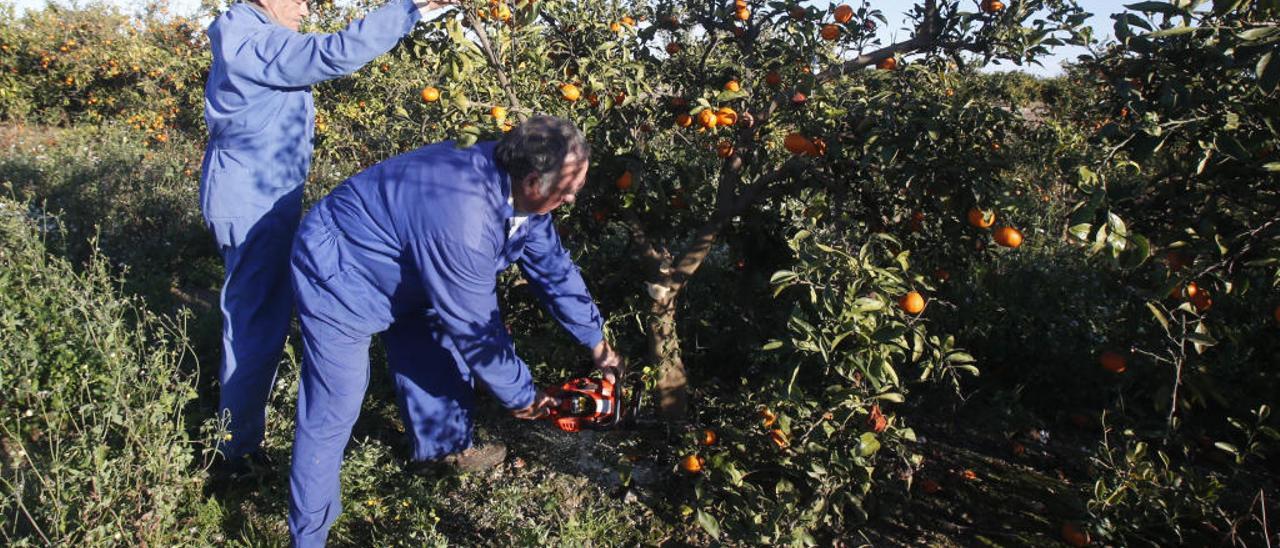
(530, 182)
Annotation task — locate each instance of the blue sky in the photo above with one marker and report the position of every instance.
(893, 9)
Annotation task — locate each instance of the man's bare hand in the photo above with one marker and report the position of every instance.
(607, 361)
(542, 404)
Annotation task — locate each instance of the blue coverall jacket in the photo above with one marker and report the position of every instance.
(412, 248)
(260, 117)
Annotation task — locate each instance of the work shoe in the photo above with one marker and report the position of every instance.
(253, 465)
(476, 458)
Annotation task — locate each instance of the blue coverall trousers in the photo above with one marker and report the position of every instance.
(434, 390)
(256, 303)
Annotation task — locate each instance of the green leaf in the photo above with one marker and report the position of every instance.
(1081, 231)
(1269, 71)
(889, 333)
(1227, 447)
(1200, 339)
(772, 345)
(891, 396)
(1175, 31)
(1255, 34)
(782, 276)
(868, 444)
(709, 524)
(1271, 166)
(1154, 7)
(1158, 315)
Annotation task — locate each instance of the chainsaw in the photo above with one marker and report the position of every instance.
(588, 403)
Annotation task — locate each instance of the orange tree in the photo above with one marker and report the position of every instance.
(91, 65)
(1179, 191)
(747, 137)
(708, 111)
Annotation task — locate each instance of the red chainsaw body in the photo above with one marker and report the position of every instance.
(585, 402)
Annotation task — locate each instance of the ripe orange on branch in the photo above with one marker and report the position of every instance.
(912, 302)
(570, 92)
(773, 78)
(684, 120)
(624, 181)
(1112, 361)
(888, 63)
(707, 118)
(1008, 237)
(980, 218)
(843, 13)
(829, 32)
(691, 464)
(742, 14)
(709, 437)
(796, 143)
(430, 94)
(726, 116)
(673, 48)
(992, 6)
(724, 149)
(732, 85)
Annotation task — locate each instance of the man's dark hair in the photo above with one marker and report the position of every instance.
(540, 145)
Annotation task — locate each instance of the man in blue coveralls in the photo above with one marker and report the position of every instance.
(261, 119)
(411, 248)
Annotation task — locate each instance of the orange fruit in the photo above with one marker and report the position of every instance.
(844, 13)
(684, 120)
(773, 78)
(742, 14)
(691, 464)
(992, 6)
(912, 302)
(619, 97)
(1188, 291)
(798, 98)
(888, 63)
(1008, 237)
(980, 218)
(570, 92)
(725, 116)
(1072, 535)
(615, 26)
(593, 99)
(498, 113)
(767, 418)
(1112, 361)
(876, 421)
(1017, 449)
(797, 12)
(501, 12)
(628, 21)
(624, 181)
(929, 486)
(732, 85)
(707, 118)
(819, 147)
(779, 438)
(724, 149)
(430, 94)
(969, 475)
(829, 32)
(796, 143)
(673, 48)
(1202, 301)
(1176, 260)
(709, 437)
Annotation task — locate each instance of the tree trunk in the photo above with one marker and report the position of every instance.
(664, 350)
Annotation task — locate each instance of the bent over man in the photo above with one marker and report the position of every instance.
(260, 116)
(411, 248)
